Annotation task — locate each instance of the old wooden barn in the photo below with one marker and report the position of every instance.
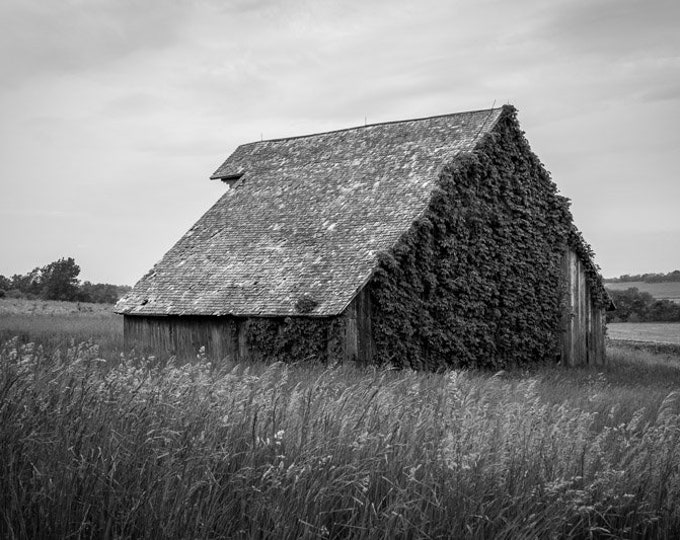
(431, 243)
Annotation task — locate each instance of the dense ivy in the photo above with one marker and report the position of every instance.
(293, 339)
(477, 281)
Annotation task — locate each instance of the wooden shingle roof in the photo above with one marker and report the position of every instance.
(305, 219)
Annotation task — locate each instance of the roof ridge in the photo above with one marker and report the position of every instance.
(390, 122)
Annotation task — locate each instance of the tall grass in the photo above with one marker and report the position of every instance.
(116, 448)
(57, 330)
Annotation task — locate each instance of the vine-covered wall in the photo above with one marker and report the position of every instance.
(287, 339)
(294, 339)
(477, 282)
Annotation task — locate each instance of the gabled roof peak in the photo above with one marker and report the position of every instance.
(378, 124)
(425, 132)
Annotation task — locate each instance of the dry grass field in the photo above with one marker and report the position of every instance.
(22, 306)
(666, 333)
(668, 290)
(95, 445)
(57, 324)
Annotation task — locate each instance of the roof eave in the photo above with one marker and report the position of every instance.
(234, 315)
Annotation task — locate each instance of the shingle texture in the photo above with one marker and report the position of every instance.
(306, 220)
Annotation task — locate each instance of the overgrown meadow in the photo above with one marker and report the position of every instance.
(98, 445)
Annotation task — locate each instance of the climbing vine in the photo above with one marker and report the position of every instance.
(476, 282)
(293, 339)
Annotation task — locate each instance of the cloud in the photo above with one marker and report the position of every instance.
(134, 104)
(665, 91)
(39, 38)
(125, 108)
(615, 29)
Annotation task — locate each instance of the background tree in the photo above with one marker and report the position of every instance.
(59, 280)
(628, 303)
(635, 306)
(664, 311)
(99, 293)
(29, 284)
(673, 276)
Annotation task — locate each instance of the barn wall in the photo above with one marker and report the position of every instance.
(582, 339)
(359, 342)
(237, 338)
(183, 336)
(477, 281)
(348, 337)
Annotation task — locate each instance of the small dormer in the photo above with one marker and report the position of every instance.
(231, 178)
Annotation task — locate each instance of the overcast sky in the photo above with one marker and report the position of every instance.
(114, 113)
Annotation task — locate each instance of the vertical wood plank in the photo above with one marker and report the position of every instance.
(582, 337)
(365, 343)
(580, 318)
(587, 318)
(242, 338)
(351, 348)
(566, 334)
(231, 352)
(576, 349)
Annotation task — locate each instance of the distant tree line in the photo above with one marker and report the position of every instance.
(632, 305)
(647, 278)
(59, 281)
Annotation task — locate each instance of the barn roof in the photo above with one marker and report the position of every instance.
(305, 218)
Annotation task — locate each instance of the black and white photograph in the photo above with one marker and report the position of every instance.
(323, 269)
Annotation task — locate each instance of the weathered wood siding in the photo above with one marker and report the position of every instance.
(183, 336)
(227, 337)
(359, 343)
(582, 339)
